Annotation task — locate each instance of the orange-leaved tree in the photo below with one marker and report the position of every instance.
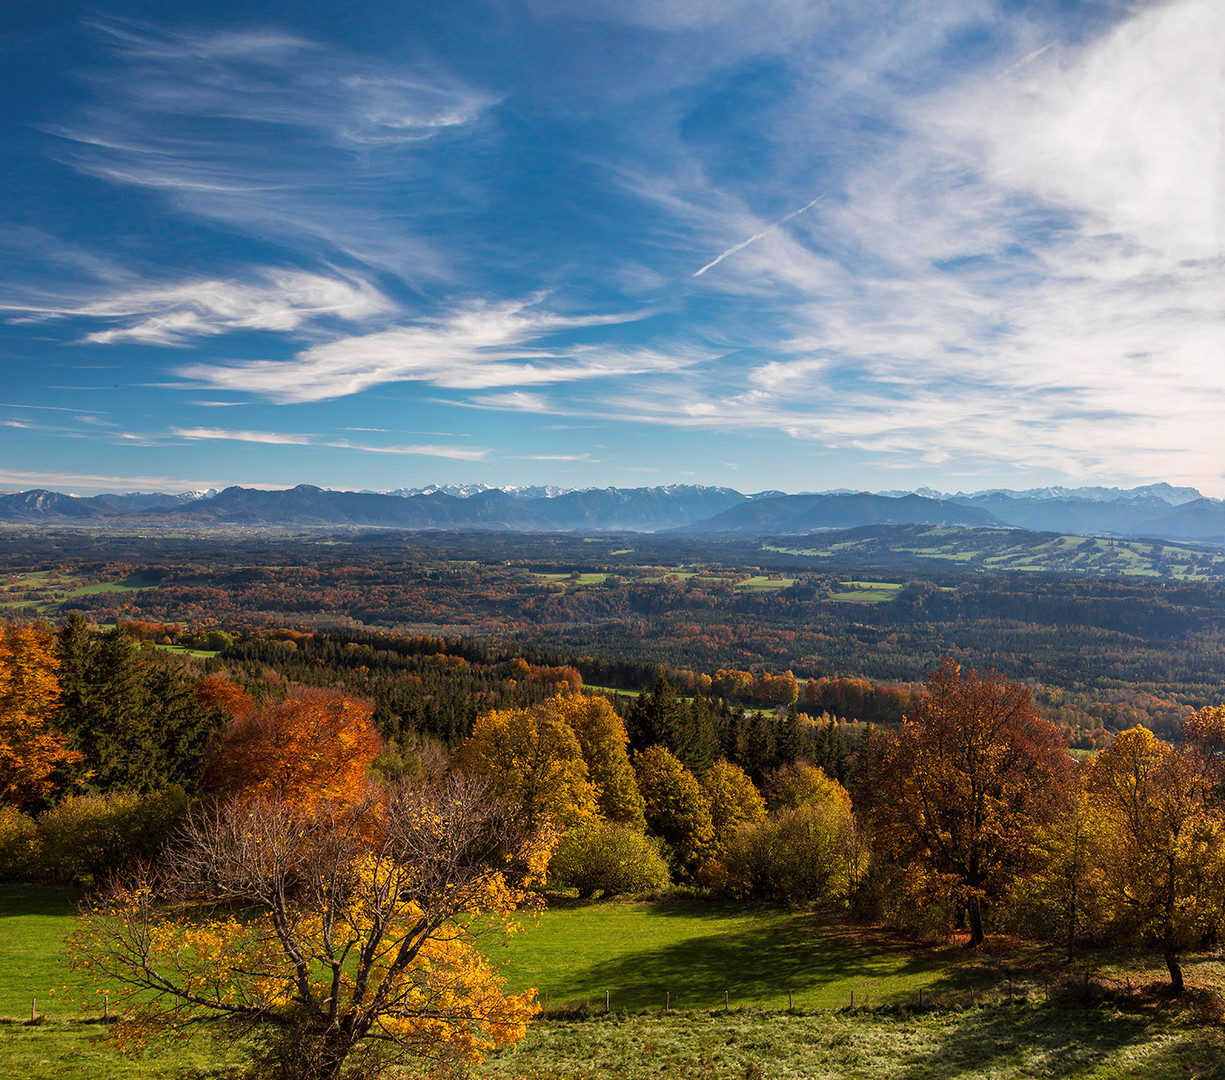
(312, 745)
(341, 934)
(956, 796)
(30, 751)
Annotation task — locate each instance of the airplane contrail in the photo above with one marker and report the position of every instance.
(757, 236)
(1027, 59)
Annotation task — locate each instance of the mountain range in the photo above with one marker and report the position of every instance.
(1157, 511)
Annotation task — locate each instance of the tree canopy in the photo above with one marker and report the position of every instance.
(342, 933)
(957, 793)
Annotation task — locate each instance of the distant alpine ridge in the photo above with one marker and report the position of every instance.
(1157, 511)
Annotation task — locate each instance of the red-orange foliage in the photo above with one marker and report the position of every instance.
(313, 746)
(959, 791)
(218, 692)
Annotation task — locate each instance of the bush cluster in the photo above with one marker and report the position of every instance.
(87, 837)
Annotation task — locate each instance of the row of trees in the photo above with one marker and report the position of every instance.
(973, 805)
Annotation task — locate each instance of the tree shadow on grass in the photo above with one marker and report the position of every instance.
(16, 900)
(1057, 1041)
(754, 964)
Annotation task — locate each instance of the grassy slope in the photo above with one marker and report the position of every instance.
(637, 950)
(695, 952)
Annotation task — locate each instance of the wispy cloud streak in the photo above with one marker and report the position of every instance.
(275, 438)
(477, 347)
(757, 236)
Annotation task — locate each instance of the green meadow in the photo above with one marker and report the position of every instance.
(920, 1011)
(866, 592)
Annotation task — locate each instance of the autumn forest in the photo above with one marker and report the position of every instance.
(296, 778)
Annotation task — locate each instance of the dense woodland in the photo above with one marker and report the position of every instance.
(1100, 654)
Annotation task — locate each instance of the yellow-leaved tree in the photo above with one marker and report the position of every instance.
(532, 758)
(1162, 847)
(343, 935)
(30, 751)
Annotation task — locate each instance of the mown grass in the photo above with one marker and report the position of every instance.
(760, 583)
(691, 953)
(996, 1042)
(568, 579)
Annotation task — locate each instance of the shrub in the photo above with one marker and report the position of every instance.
(19, 845)
(86, 837)
(808, 854)
(609, 858)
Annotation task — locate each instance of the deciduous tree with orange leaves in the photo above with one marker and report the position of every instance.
(957, 794)
(30, 751)
(313, 745)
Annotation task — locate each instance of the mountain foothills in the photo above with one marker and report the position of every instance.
(1157, 511)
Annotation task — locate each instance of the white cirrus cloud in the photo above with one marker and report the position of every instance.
(1027, 268)
(478, 347)
(278, 301)
(276, 438)
(190, 118)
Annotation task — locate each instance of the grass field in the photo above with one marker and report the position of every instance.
(567, 579)
(43, 592)
(973, 1023)
(866, 592)
(758, 583)
(694, 952)
(992, 1043)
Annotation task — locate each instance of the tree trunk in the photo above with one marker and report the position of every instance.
(975, 911)
(1071, 916)
(1171, 962)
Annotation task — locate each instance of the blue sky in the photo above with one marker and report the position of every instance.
(767, 244)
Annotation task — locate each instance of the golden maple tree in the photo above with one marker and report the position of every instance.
(343, 935)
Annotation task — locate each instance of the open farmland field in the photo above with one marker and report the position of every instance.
(997, 1042)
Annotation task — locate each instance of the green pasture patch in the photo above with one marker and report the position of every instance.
(811, 552)
(693, 952)
(567, 579)
(997, 1042)
(866, 592)
(760, 583)
(127, 585)
(35, 922)
(72, 1050)
(185, 651)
